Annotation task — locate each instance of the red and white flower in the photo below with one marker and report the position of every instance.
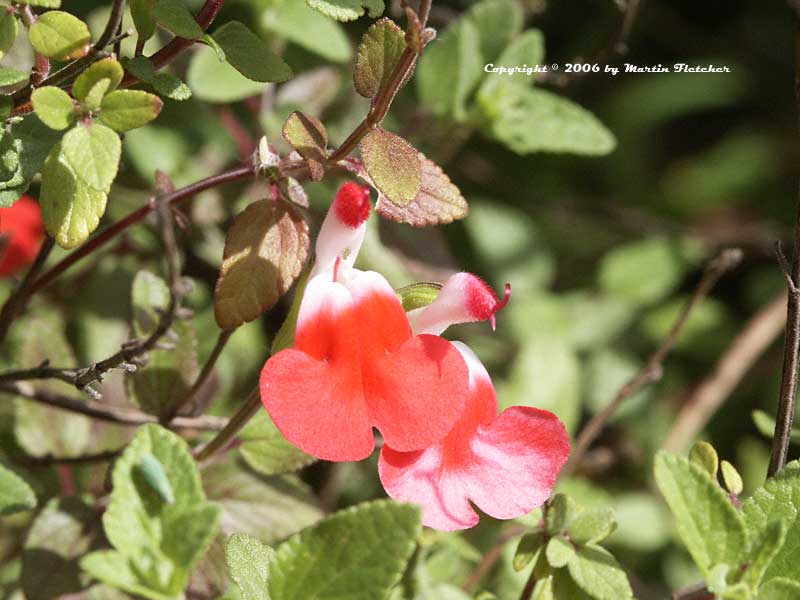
(505, 464)
(355, 363)
(21, 234)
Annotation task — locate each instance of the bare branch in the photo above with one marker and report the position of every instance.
(653, 368)
(754, 339)
(16, 301)
(106, 412)
(234, 426)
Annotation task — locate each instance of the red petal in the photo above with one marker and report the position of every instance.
(22, 223)
(507, 464)
(379, 313)
(318, 406)
(417, 393)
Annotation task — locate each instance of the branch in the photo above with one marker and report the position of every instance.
(132, 351)
(109, 233)
(490, 558)
(617, 45)
(205, 373)
(106, 412)
(791, 343)
(653, 368)
(234, 425)
(758, 334)
(114, 23)
(19, 297)
(383, 101)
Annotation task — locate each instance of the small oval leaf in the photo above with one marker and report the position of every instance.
(393, 164)
(53, 106)
(57, 34)
(93, 152)
(108, 68)
(123, 110)
(378, 54)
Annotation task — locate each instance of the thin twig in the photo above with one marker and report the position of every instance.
(653, 368)
(383, 101)
(47, 461)
(19, 296)
(176, 197)
(106, 412)
(114, 22)
(41, 66)
(757, 335)
(490, 558)
(791, 343)
(132, 351)
(205, 373)
(617, 45)
(234, 425)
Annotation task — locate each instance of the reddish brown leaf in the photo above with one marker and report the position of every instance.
(309, 137)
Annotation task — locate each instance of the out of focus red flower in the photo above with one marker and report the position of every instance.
(21, 234)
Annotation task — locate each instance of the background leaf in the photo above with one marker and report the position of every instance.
(250, 55)
(248, 560)
(15, 494)
(347, 10)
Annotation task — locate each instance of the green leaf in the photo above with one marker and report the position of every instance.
(546, 374)
(93, 152)
(140, 67)
(214, 81)
(54, 107)
(498, 22)
(393, 164)
(175, 16)
(528, 549)
(598, 574)
(526, 50)
(269, 508)
(9, 27)
(248, 561)
(347, 10)
(707, 522)
(378, 53)
(24, 147)
(116, 570)
(592, 525)
(12, 76)
(59, 35)
(95, 96)
(45, 3)
(656, 265)
(438, 202)
(779, 588)
(418, 295)
(298, 23)
(144, 19)
(766, 426)
(359, 553)
(250, 55)
(170, 372)
(449, 70)
(128, 109)
(60, 535)
(265, 250)
(170, 86)
(704, 456)
(160, 541)
(71, 209)
(559, 552)
(731, 478)
(561, 512)
(266, 450)
(561, 125)
(107, 68)
(43, 430)
(778, 498)
(15, 494)
(309, 137)
(763, 550)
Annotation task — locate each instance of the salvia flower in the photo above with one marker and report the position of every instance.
(355, 363)
(21, 234)
(506, 464)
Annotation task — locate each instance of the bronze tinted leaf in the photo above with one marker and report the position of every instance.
(265, 250)
(309, 137)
